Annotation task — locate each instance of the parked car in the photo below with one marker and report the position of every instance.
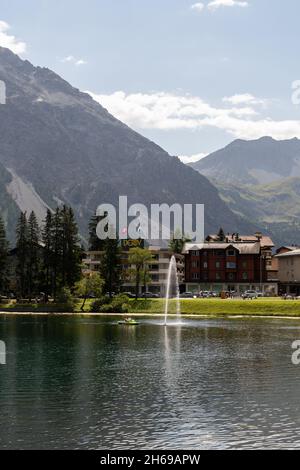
(250, 294)
(187, 295)
(150, 295)
(207, 294)
(213, 294)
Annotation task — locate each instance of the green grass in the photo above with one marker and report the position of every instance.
(208, 307)
(272, 307)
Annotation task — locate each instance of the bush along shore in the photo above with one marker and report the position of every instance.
(201, 307)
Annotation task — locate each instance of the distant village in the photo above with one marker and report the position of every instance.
(49, 259)
(230, 264)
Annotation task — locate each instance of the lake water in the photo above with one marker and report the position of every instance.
(92, 384)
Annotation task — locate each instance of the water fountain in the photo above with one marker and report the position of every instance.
(172, 291)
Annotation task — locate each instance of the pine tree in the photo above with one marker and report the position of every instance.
(3, 258)
(56, 257)
(47, 238)
(22, 254)
(110, 266)
(95, 244)
(33, 248)
(71, 252)
(221, 235)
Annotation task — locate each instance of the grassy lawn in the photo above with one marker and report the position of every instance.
(273, 306)
(210, 307)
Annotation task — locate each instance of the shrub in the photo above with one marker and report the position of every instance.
(65, 300)
(118, 304)
(98, 303)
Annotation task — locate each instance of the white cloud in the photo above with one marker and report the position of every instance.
(198, 7)
(167, 111)
(9, 41)
(72, 60)
(245, 98)
(215, 4)
(193, 158)
(164, 111)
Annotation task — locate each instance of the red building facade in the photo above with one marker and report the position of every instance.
(225, 266)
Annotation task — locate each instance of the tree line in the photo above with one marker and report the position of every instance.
(47, 258)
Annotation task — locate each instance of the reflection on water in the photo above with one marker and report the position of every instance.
(92, 384)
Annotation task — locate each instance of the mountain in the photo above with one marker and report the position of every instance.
(260, 181)
(8, 208)
(276, 206)
(261, 161)
(59, 146)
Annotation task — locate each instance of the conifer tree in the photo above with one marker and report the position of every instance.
(47, 238)
(221, 235)
(71, 252)
(33, 259)
(95, 244)
(110, 266)
(56, 247)
(3, 258)
(22, 254)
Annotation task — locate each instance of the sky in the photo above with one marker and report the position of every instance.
(191, 76)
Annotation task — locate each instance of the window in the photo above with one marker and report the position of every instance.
(245, 264)
(218, 276)
(194, 253)
(195, 264)
(195, 276)
(231, 276)
(218, 264)
(205, 265)
(231, 265)
(204, 253)
(245, 276)
(230, 253)
(153, 267)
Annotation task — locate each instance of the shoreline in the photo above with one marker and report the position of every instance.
(214, 316)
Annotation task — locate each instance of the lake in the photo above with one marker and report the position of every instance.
(89, 383)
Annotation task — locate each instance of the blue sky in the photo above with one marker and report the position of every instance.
(192, 76)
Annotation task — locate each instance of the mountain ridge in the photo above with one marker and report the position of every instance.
(260, 161)
(68, 148)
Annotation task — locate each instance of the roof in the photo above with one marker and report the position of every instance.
(265, 240)
(287, 247)
(242, 248)
(289, 254)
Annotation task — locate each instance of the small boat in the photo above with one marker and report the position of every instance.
(128, 321)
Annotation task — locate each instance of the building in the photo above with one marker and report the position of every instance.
(228, 266)
(266, 245)
(289, 271)
(158, 269)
